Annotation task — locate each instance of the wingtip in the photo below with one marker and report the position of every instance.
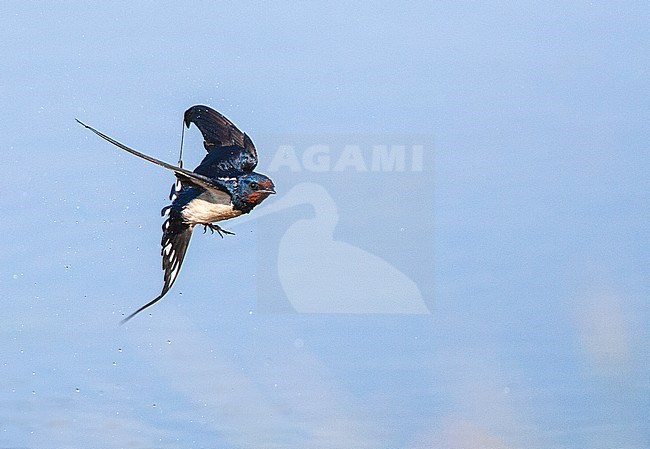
(81, 123)
(128, 318)
(150, 303)
(187, 116)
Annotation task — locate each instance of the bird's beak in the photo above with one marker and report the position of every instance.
(269, 191)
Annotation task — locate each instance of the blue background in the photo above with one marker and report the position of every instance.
(538, 329)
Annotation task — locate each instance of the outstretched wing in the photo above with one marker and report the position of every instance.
(229, 147)
(175, 239)
(176, 234)
(181, 173)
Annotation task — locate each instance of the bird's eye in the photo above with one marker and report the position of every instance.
(254, 185)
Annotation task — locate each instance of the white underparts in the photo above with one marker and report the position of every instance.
(209, 207)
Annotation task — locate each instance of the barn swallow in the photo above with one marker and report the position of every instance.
(223, 186)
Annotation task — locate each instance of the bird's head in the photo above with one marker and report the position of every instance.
(254, 188)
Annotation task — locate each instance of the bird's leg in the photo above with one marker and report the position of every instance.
(215, 227)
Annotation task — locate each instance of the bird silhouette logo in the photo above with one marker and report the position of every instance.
(221, 187)
(321, 274)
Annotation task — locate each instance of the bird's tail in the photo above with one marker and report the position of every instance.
(175, 239)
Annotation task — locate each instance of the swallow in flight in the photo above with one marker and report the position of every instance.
(223, 186)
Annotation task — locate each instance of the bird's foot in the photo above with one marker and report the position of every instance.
(213, 227)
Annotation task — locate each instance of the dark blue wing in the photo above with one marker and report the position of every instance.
(186, 176)
(229, 148)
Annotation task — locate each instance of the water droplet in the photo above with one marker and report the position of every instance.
(77, 390)
(119, 349)
(169, 342)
